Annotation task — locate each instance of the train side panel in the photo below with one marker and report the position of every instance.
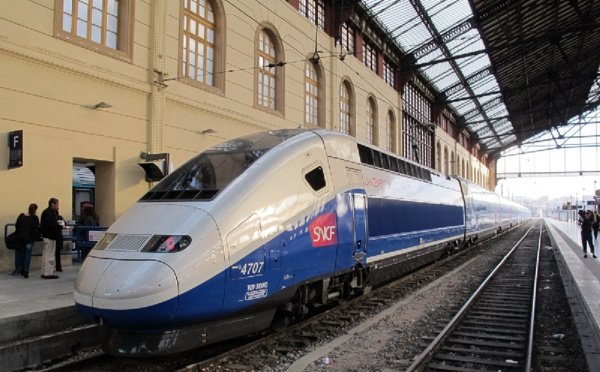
(482, 211)
(408, 221)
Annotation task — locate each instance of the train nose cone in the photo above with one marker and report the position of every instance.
(129, 293)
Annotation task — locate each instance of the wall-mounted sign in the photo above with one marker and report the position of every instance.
(15, 146)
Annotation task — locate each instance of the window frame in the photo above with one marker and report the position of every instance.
(370, 56)
(389, 73)
(390, 127)
(369, 122)
(372, 121)
(125, 28)
(349, 101)
(312, 104)
(218, 85)
(348, 39)
(314, 11)
(278, 71)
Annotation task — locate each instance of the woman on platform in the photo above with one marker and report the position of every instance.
(28, 230)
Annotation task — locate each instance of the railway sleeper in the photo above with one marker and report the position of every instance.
(477, 361)
(496, 353)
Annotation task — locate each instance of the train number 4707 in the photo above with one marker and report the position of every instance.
(251, 268)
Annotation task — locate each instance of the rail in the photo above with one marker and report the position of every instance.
(84, 238)
(426, 356)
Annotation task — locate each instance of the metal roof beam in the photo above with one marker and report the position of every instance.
(444, 48)
(447, 36)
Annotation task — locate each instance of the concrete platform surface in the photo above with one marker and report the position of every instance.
(20, 296)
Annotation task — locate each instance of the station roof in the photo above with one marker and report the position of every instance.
(511, 69)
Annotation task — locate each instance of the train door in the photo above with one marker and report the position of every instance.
(246, 282)
(352, 224)
(359, 203)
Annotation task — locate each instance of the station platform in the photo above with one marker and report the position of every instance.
(581, 277)
(20, 296)
(32, 309)
(35, 306)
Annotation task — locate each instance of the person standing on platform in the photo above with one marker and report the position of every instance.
(595, 225)
(28, 230)
(587, 219)
(59, 243)
(51, 231)
(89, 216)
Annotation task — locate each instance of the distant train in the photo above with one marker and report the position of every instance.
(258, 230)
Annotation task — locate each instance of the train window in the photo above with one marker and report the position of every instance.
(377, 159)
(417, 170)
(202, 177)
(385, 161)
(419, 173)
(316, 178)
(366, 154)
(394, 164)
(411, 169)
(402, 166)
(208, 171)
(426, 175)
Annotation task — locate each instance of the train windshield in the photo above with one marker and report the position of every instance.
(205, 175)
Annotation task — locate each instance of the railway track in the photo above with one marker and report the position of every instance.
(332, 322)
(494, 329)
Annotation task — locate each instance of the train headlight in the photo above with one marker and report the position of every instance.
(167, 243)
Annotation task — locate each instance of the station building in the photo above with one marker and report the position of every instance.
(108, 85)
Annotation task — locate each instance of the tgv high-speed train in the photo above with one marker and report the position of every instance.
(258, 230)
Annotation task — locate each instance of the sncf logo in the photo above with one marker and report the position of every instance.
(323, 230)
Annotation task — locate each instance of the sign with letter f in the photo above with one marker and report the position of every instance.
(15, 146)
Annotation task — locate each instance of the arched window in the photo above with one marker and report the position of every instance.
(439, 156)
(390, 131)
(446, 160)
(346, 108)
(371, 124)
(452, 163)
(269, 74)
(266, 70)
(202, 46)
(314, 105)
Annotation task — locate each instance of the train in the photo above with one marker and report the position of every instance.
(257, 231)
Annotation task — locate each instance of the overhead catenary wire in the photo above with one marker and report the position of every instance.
(316, 57)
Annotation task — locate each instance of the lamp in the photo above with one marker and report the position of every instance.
(207, 131)
(101, 105)
(156, 166)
